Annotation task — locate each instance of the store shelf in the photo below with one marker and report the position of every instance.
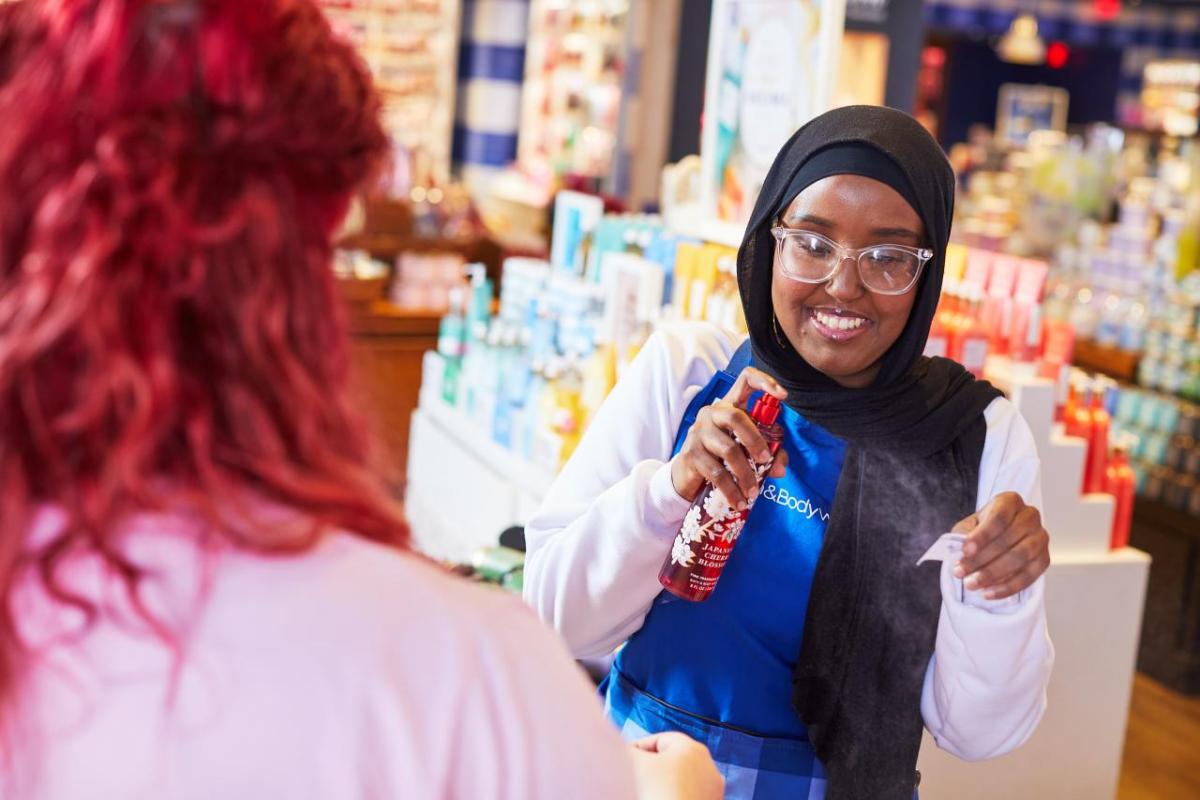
(691, 221)
(1119, 364)
(463, 488)
(524, 475)
(1163, 517)
(381, 318)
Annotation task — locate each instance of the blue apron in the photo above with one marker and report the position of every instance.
(721, 670)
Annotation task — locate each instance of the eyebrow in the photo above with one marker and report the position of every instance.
(822, 222)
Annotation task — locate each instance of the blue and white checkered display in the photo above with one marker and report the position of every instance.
(491, 71)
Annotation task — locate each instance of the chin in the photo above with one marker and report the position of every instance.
(836, 367)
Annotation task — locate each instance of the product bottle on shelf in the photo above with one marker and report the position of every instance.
(452, 332)
(487, 383)
(711, 528)
(530, 414)
(471, 378)
(953, 320)
(1027, 335)
(599, 378)
(545, 443)
(1058, 348)
(479, 308)
(938, 343)
(1097, 455)
(1119, 482)
(559, 414)
(1079, 423)
(973, 339)
(951, 295)
(508, 359)
(452, 344)
(1071, 405)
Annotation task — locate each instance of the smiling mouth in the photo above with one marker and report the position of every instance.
(838, 324)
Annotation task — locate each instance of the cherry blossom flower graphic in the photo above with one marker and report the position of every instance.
(717, 506)
(681, 553)
(730, 533)
(691, 532)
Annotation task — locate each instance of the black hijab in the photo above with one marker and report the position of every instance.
(914, 403)
(914, 441)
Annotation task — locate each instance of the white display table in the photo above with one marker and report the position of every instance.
(1094, 610)
(1094, 601)
(464, 490)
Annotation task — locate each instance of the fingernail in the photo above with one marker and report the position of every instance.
(973, 582)
(959, 571)
(741, 506)
(764, 457)
(753, 495)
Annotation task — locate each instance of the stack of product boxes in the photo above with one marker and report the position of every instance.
(992, 306)
(532, 376)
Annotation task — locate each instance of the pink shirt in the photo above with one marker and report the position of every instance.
(352, 671)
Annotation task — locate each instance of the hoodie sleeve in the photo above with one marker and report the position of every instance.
(597, 543)
(985, 689)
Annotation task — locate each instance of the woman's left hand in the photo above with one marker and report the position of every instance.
(1006, 550)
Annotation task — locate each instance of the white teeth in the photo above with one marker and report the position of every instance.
(839, 323)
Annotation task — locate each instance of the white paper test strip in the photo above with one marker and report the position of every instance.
(948, 549)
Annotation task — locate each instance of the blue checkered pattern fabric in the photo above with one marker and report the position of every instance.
(754, 767)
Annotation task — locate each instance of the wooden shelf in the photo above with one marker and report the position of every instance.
(1158, 514)
(381, 318)
(1119, 364)
(387, 346)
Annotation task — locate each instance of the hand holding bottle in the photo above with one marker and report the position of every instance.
(672, 766)
(716, 446)
(713, 524)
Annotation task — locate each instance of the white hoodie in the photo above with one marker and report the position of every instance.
(596, 545)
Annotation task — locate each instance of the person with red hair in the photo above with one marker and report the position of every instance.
(206, 592)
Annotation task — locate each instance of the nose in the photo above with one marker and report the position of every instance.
(844, 284)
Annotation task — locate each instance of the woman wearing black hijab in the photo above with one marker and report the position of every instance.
(824, 649)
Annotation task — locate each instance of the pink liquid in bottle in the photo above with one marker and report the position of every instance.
(711, 528)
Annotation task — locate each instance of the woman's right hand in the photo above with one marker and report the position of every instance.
(672, 766)
(711, 453)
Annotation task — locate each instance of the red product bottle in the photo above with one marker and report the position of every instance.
(1027, 335)
(1119, 482)
(1079, 424)
(973, 340)
(1098, 443)
(938, 343)
(711, 527)
(1065, 412)
(1079, 415)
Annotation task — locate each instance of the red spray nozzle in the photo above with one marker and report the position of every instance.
(766, 410)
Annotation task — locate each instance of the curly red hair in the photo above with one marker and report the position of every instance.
(170, 332)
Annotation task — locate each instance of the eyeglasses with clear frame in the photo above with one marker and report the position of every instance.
(888, 269)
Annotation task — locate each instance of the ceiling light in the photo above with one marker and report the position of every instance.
(1021, 44)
